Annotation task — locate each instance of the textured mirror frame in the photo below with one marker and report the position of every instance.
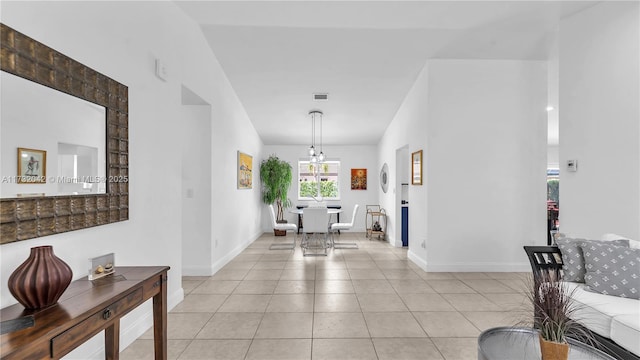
(31, 217)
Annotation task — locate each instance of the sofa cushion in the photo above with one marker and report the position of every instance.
(611, 269)
(596, 311)
(572, 258)
(625, 331)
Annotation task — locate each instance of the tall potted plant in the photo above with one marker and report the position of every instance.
(276, 178)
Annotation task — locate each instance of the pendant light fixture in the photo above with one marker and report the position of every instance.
(312, 148)
(321, 156)
(314, 156)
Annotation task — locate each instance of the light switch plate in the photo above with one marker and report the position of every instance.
(572, 165)
(161, 70)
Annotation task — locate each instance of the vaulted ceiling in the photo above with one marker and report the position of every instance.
(365, 54)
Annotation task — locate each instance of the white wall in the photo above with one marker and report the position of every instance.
(408, 128)
(357, 156)
(599, 120)
(122, 40)
(553, 118)
(486, 163)
(553, 157)
(236, 213)
(482, 125)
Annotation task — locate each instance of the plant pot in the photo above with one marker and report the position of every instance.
(551, 350)
(40, 280)
(280, 232)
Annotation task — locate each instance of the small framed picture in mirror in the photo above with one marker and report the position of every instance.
(32, 166)
(416, 168)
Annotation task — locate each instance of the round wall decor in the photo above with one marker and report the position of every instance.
(384, 177)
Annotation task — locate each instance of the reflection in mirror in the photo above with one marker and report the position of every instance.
(70, 130)
(27, 217)
(79, 165)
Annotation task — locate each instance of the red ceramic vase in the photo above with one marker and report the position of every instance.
(40, 281)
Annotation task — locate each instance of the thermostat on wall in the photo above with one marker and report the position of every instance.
(572, 165)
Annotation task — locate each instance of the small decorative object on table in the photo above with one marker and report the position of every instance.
(553, 316)
(102, 266)
(41, 279)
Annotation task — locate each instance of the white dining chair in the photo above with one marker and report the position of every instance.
(315, 230)
(285, 227)
(335, 227)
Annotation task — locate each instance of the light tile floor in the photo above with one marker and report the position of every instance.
(366, 303)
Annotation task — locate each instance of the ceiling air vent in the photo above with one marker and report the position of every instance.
(320, 97)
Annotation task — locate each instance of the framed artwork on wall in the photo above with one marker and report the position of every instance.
(245, 173)
(32, 166)
(416, 168)
(358, 179)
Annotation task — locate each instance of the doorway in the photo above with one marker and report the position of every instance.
(402, 197)
(195, 125)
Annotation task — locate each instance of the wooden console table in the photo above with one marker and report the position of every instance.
(85, 309)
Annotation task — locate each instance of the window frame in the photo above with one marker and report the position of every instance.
(306, 162)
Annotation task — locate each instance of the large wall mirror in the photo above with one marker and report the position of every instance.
(64, 142)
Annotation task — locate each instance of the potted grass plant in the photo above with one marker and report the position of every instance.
(276, 178)
(554, 316)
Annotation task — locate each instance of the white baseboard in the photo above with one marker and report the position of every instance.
(395, 242)
(468, 267)
(422, 264)
(479, 267)
(213, 268)
(216, 266)
(196, 270)
(174, 299)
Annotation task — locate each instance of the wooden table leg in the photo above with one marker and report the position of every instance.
(112, 341)
(160, 321)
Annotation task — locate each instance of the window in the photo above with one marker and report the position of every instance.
(308, 174)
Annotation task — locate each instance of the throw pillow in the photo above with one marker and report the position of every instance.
(572, 258)
(612, 270)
